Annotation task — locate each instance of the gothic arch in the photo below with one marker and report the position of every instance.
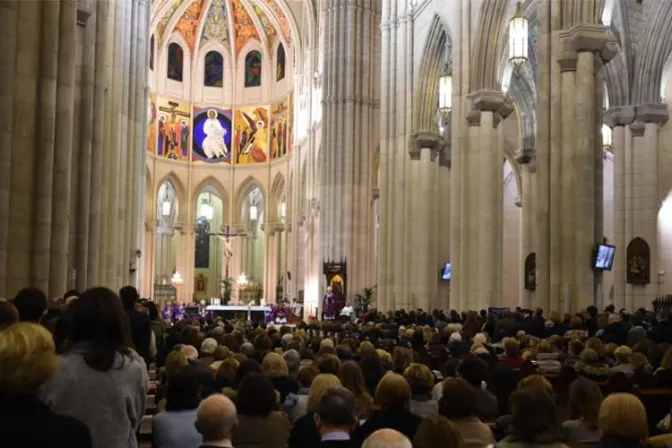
(438, 43)
(487, 44)
(213, 183)
(278, 187)
(180, 194)
(656, 49)
(239, 199)
(509, 155)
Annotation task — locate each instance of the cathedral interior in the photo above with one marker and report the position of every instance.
(438, 154)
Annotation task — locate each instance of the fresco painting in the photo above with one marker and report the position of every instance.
(278, 130)
(252, 135)
(151, 126)
(216, 27)
(187, 26)
(244, 29)
(282, 19)
(174, 126)
(212, 135)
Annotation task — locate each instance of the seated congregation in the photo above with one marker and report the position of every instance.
(105, 371)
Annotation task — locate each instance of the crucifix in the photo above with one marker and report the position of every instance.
(228, 237)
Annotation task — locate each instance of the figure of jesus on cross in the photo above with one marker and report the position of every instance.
(227, 238)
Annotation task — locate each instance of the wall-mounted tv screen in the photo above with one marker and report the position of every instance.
(446, 273)
(604, 257)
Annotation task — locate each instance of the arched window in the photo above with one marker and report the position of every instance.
(281, 63)
(151, 53)
(202, 255)
(253, 69)
(214, 70)
(175, 62)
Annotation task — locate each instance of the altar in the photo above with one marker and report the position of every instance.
(257, 313)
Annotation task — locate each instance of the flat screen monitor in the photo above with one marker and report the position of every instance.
(446, 273)
(604, 257)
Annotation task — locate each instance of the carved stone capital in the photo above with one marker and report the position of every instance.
(590, 37)
(525, 156)
(652, 113)
(489, 100)
(567, 61)
(425, 140)
(637, 129)
(507, 108)
(619, 116)
(518, 202)
(474, 117)
(83, 12)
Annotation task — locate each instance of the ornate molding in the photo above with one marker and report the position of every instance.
(425, 140)
(375, 192)
(486, 100)
(474, 118)
(652, 113)
(637, 129)
(619, 116)
(590, 37)
(83, 12)
(567, 61)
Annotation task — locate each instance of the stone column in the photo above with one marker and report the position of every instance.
(646, 203)
(485, 165)
(593, 44)
(58, 277)
(424, 150)
(469, 298)
(526, 158)
(8, 70)
(617, 118)
(350, 105)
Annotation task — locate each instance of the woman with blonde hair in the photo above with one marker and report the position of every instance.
(585, 399)
(421, 380)
(622, 421)
(401, 359)
(28, 360)
(352, 379)
(622, 354)
(590, 365)
(393, 397)
(275, 368)
(305, 432)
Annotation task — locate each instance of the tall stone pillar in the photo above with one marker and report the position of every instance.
(645, 199)
(617, 118)
(424, 152)
(583, 49)
(526, 158)
(8, 70)
(351, 113)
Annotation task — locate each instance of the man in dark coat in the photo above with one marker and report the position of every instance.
(141, 330)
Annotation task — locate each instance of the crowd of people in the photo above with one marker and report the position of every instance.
(77, 373)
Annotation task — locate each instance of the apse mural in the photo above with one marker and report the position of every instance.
(187, 26)
(251, 138)
(243, 26)
(253, 69)
(279, 128)
(165, 20)
(290, 124)
(173, 129)
(175, 62)
(281, 63)
(151, 127)
(151, 53)
(216, 24)
(269, 29)
(212, 135)
(214, 70)
(282, 18)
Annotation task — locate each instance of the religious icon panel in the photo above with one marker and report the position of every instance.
(251, 137)
(151, 126)
(279, 128)
(212, 135)
(174, 129)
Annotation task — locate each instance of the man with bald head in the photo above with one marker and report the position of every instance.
(387, 438)
(216, 420)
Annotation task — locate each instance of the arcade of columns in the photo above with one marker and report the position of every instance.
(72, 84)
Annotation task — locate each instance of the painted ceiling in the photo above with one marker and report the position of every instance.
(233, 23)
